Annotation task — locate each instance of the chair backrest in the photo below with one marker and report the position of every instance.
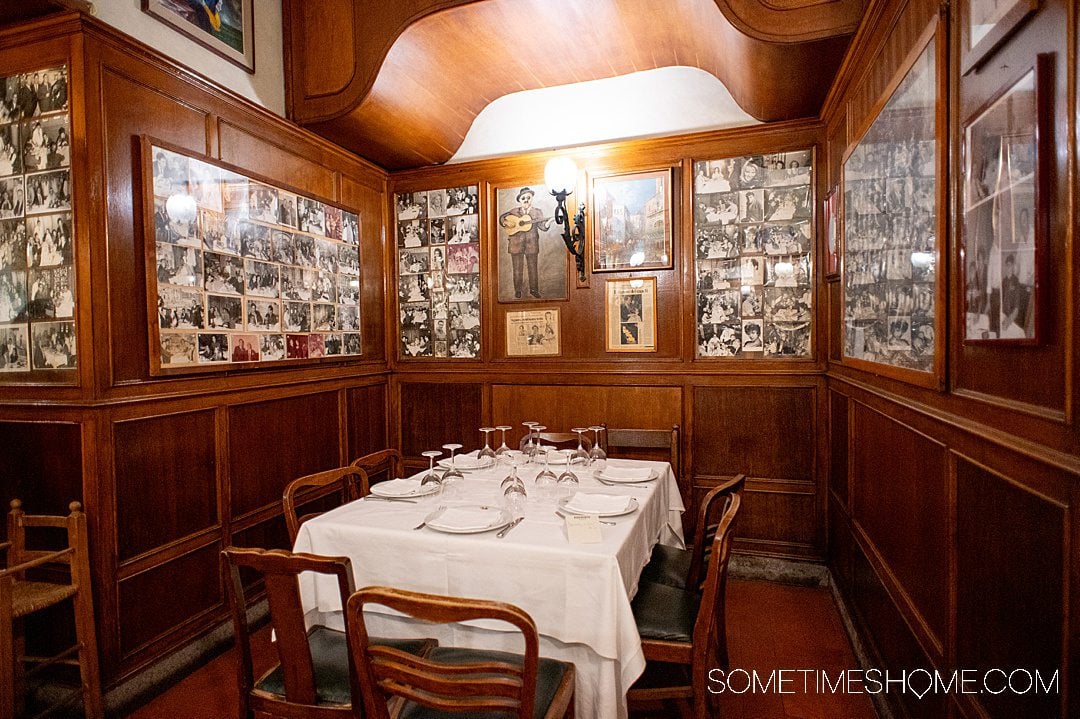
(467, 687)
(710, 628)
(710, 514)
(351, 482)
(562, 440)
(390, 460)
(645, 444)
(280, 572)
(73, 553)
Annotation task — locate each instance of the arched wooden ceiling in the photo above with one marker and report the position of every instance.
(400, 83)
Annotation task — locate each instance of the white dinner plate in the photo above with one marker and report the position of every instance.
(603, 476)
(446, 521)
(463, 464)
(380, 490)
(630, 507)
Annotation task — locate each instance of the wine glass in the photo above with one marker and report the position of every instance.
(503, 449)
(581, 455)
(597, 455)
(514, 495)
(452, 477)
(537, 448)
(431, 477)
(529, 447)
(545, 479)
(486, 456)
(567, 482)
(511, 478)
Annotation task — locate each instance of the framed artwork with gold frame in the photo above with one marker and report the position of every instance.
(631, 221)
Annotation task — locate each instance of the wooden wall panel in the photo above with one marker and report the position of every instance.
(273, 442)
(154, 604)
(166, 480)
(254, 151)
(268, 534)
(779, 523)
(838, 446)
(764, 432)
(438, 413)
(367, 420)
(42, 466)
(1013, 563)
(561, 408)
(900, 502)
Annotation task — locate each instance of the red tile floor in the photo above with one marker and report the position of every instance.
(770, 626)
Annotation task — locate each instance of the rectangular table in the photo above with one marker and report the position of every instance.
(578, 594)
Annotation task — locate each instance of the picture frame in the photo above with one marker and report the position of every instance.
(631, 221)
(533, 333)
(532, 264)
(630, 315)
(832, 235)
(229, 31)
(241, 271)
(894, 307)
(1003, 215)
(984, 26)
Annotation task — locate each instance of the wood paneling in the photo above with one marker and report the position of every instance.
(438, 413)
(154, 603)
(42, 466)
(166, 480)
(435, 78)
(367, 420)
(838, 445)
(268, 534)
(899, 499)
(1013, 563)
(763, 432)
(272, 443)
(244, 148)
(780, 523)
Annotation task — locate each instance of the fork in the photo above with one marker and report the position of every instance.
(618, 484)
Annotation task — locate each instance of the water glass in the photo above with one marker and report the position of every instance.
(567, 481)
(581, 455)
(432, 477)
(452, 478)
(597, 455)
(486, 457)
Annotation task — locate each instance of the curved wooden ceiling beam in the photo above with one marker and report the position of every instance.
(445, 67)
(787, 21)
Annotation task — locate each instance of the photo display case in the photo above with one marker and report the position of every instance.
(37, 258)
(753, 255)
(892, 241)
(241, 271)
(438, 270)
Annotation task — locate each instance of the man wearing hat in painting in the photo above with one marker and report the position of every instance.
(523, 225)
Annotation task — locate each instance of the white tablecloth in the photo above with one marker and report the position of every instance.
(578, 594)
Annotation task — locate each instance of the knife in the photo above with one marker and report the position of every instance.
(390, 499)
(507, 528)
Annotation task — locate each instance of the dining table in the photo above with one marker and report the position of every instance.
(577, 592)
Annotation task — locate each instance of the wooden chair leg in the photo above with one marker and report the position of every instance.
(89, 673)
(7, 672)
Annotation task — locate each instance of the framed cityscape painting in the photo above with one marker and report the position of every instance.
(241, 271)
(631, 221)
(223, 26)
(894, 308)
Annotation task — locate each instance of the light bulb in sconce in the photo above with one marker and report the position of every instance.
(560, 175)
(181, 207)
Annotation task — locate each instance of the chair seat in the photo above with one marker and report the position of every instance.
(29, 597)
(330, 663)
(549, 676)
(667, 565)
(665, 613)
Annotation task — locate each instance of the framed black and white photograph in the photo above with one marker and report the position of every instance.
(54, 345)
(832, 235)
(630, 315)
(225, 258)
(632, 221)
(14, 349)
(985, 24)
(225, 27)
(1004, 225)
(531, 256)
(753, 231)
(533, 333)
(892, 227)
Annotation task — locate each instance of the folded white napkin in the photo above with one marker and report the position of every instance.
(617, 473)
(598, 503)
(396, 488)
(463, 461)
(465, 518)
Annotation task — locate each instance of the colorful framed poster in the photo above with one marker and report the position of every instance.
(225, 27)
(631, 221)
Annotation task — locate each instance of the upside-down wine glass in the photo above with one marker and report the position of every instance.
(545, 479)
(567, 481)
(503, 449)
(581, 455)
(486, 456)
(529, 448)
(431, 477)
(452, 477)
(597, 455)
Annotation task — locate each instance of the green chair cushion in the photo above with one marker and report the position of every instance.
(665, 613)
(667, 565)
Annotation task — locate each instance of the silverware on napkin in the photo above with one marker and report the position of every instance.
(502, 532)
(628, 485)
(390, 499)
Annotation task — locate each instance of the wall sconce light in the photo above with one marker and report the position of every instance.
(561, 176)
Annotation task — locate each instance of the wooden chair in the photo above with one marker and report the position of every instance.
(560, 440)
(451, 681)
(351, 482)
(25, 589)
(686, 567)
(681, 631)
(659, 444)
(390, 460)
(314, 676)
